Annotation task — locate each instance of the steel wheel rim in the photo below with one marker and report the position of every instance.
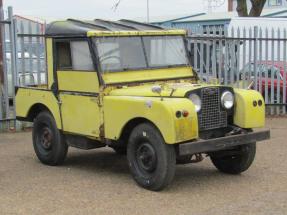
(146, 157)
(46, 138)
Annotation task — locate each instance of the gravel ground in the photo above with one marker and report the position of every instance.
(98, 182)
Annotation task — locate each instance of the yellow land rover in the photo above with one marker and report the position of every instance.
(130, 86)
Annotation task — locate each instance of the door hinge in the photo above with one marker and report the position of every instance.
(60, 102)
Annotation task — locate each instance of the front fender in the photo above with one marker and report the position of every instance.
(119, 110)
(248, 114)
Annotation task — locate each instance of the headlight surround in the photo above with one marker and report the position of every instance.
(196, 101)
(227, 100)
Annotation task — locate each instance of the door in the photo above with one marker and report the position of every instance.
(78, 87)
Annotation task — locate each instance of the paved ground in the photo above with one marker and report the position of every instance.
(98, 182)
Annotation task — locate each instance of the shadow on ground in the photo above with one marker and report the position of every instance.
(106, 162)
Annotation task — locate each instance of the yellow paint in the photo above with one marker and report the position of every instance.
(134, 33)
(246, 115)
(26, 98)
(49, 54)
(118, 111)
(176, 89)
(80, 114)
(82, 81)
(145, 75)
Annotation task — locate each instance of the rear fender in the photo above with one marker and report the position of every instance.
(27, 98)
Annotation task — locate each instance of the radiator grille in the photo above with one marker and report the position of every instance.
(211, 116)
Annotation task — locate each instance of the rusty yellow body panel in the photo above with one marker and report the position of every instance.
(246, 114)
(135, 33)
(147, 75)
(168, 89)
(79, 93)
(27, 97)
(78, 81)
(119, 110)
(80, 114)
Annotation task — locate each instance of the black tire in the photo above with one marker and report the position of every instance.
(239, 162)
(151, 161)
(49, 144)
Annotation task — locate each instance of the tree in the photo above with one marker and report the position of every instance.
(256, 7)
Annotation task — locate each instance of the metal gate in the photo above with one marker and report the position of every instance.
(23, 54)
(251, 58)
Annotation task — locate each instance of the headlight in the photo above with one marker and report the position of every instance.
(227, 100)
(196, 101)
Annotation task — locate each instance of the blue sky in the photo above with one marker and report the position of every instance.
(60, 9)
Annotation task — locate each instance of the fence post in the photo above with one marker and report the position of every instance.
(266, 93)
(255, 56)
(278, 97)
(260, 60)
(226, 57)
(13, 58)
(213, 61)
(244, 59)
(23, 63)
(284, 73)
(220, 67)
(272, 71)
(201, 53)
(207, 64)
(238, 50)
(5, 73)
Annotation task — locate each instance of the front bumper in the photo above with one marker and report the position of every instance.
(222, 143)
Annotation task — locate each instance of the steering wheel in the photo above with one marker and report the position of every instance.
(111, 57)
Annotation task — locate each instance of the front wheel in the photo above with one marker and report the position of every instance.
(234, 161)
(48, 142)
(151, 161)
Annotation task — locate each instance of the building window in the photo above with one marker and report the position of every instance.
(274, 2)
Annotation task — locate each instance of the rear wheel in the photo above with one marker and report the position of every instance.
(151, 160)
(48, 142)
(235, 161)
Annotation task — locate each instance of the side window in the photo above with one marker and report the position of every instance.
(81, 56)
(63, 56)
(74, 55)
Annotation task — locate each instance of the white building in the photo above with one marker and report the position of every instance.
(270, 4)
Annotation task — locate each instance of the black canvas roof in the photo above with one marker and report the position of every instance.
(73, 27)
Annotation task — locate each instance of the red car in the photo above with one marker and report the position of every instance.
(275, 79)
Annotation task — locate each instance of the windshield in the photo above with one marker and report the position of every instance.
(132, 53)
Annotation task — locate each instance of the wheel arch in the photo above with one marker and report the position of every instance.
(132, 123)
(35, 109)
